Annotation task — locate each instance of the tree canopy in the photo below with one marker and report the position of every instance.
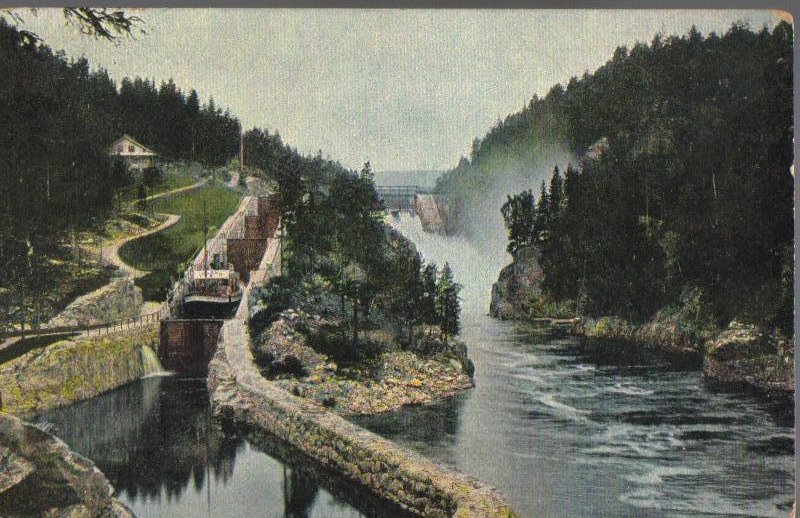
(681, 180)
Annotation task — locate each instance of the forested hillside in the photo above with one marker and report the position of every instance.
(340, 259)
(682, 193)
(58, 119)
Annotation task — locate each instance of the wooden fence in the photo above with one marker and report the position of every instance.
(95, 329)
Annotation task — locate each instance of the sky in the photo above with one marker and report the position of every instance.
(404, 89)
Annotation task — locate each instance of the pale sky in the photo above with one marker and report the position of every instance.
(405, 89)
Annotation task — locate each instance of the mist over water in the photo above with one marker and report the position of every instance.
(506, 176)
(563, 431)
(475, 262)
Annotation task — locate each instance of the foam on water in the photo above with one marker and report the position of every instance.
(150, 364)
(475, 266)
(623, 440)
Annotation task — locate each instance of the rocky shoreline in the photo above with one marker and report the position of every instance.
(741, 356)
(66, 484)
(241, 394)
(387, 382)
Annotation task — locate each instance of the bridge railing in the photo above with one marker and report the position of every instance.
(89, 330)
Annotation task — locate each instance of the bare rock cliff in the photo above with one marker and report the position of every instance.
(517, 285)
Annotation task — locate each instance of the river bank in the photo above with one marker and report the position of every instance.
(65, 483)
(239, 393)
(741, 356)
(75, 369)
(391, 379)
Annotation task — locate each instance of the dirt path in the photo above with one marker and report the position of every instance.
(179, 190)
(109, 253)
(110, 249)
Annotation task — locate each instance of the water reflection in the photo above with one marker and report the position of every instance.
(566, 433)
(432, 429)
(156, 443)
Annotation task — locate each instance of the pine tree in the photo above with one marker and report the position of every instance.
(447, 302)
(429, 292)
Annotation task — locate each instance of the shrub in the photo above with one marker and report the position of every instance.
(334, 342)
(268, 302)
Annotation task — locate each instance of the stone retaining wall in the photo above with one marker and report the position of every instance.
(238, 392)
(188, 345)
(73, 370)
(120, 299)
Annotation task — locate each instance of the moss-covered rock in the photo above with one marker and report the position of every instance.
(740, 341)
(73, 370)
(64, 483)
(120, 299)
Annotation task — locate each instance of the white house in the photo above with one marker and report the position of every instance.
(134, 154)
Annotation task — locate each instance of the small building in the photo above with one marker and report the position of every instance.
(134, 154)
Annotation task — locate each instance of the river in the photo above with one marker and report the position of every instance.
(565, 433)
(559, 431)
(156, 442)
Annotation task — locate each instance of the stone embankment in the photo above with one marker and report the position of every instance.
(73, 370)
(65, 484)
(240, 393)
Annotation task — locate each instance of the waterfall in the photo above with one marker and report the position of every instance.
(150, 364)
(475, 263)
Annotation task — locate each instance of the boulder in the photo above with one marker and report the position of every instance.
(740, 341)
(41, 476)
(517, 286)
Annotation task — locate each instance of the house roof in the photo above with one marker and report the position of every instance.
(128, 137)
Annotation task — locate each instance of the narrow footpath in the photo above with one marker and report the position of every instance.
(109, 255)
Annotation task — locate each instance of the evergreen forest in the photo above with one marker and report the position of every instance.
(58, 119)
(679, 190)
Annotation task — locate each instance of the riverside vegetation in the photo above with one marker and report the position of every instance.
(676, 219)
(356, 321)
(59, 187)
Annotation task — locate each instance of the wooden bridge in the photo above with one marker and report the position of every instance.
(400, 197)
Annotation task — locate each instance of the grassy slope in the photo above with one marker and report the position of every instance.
(165, 253)
(171, 180)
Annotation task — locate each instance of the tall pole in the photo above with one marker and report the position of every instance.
(205, 241)
(241, 153)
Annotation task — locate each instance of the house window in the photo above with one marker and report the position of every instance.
(130, 148)
(119, 149)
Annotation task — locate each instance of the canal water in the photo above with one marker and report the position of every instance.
(156, 442)
(557, 429)
(563, 432)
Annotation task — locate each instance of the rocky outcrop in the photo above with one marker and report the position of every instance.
(517, 286)
(743, 355)
(120, 299)
(430, 370)
(437, 214)
(33, 462)
(427, 210)
(240, 393)
(73, 370)
(746, 356)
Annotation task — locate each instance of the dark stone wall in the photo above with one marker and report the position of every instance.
(188, 345)
(268, 214)
(245, 255)
(253, 227)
